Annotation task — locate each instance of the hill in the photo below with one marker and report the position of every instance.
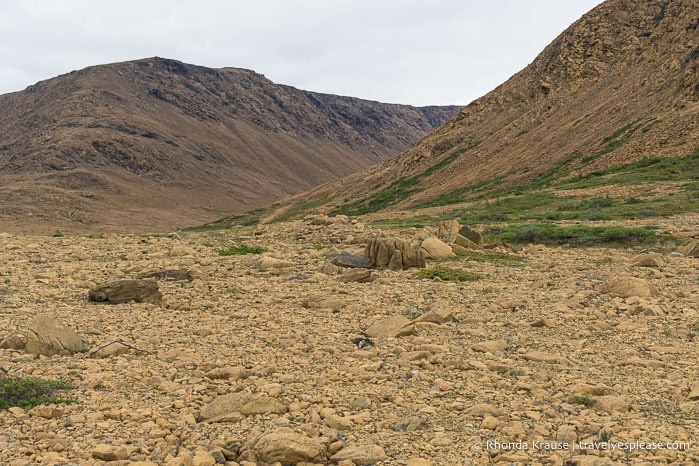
(616, 92)
(152, 144)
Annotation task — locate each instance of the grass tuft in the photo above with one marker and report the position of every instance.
(585, 400)
(489, 256)
(448, 274)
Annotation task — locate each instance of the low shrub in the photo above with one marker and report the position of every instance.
(27, 392)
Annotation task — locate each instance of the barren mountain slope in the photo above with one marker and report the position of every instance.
(155, 143)
(618, 85)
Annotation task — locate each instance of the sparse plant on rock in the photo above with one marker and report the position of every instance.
(241, 250)
(585, 400)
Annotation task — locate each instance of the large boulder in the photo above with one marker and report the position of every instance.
(462, 241)
(625, 287)
(361, 455)
(392, 327)
(435, 248)
(124, 291)
(690, 249)
(472, 235)
(394, 253)
(349, 260)
(48, 336)
(447, 230)
(283, 447)
(651, 259)
(243, 403)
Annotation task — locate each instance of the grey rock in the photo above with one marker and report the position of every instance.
(346, 259)
(124, 291)
(471, 235)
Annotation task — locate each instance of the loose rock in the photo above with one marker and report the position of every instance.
(361, 455)
(625, 287)
(110, 452)
(690, 248)
(285, 447)
(48, 336)
(393, 327)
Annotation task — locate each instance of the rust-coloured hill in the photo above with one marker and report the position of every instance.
(617, 86)
(153, 144)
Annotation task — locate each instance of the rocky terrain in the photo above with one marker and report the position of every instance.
(619, 85)
(290, 357)
(168, 144)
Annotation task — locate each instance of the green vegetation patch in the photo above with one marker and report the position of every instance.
(398, 190)
(294, 210)
(241, 250)
(578, 235)
(585, 400)
(490, 256)
(417, 221)
(247, 219)
(646, 170)
(639, 172)
(27, 392)
(616, 140)
(448, 274)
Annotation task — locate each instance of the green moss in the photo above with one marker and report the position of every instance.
(448, 274)
(27, 392)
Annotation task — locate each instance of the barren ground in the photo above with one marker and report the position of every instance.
(287, 333)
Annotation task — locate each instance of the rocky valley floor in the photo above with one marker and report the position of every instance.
(500, 370)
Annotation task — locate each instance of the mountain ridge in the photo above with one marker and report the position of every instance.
(618, 85)
(187, 143)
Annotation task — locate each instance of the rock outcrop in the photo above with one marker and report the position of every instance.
(394, 253)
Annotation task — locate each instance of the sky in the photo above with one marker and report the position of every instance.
(418, 52)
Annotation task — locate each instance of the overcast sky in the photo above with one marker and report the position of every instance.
(420, 52)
